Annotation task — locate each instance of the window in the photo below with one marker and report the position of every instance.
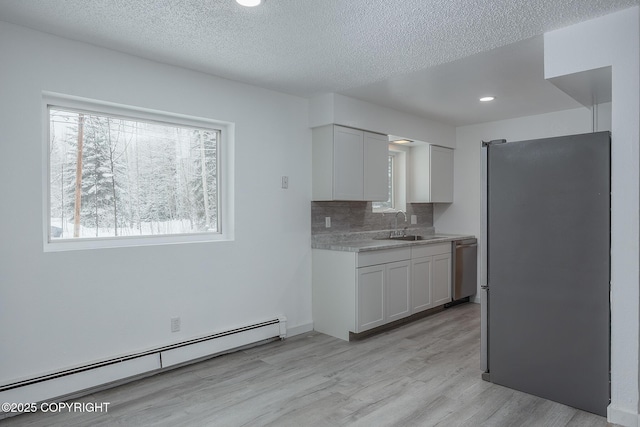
(119, 176)
(390, 203)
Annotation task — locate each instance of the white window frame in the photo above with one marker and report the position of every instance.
(398, 182)
(375, 209)
(225, 174)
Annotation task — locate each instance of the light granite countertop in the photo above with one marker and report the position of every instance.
(362, 242)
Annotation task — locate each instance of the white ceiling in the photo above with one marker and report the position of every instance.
(450, 92)
(429, 57)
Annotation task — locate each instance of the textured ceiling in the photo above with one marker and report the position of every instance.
(304, 47)
(450, 92)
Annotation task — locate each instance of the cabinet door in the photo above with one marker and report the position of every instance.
(398, 290)
(418, 185)
(348, 169)
(441, 171)
(370, 297)
(421, 284)
(376, 167)
(441, 279)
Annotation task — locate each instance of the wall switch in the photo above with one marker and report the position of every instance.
(175, 324)
(327, 222)
(414, 219)
(285, 182)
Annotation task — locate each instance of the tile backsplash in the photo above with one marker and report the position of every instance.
(348, 217)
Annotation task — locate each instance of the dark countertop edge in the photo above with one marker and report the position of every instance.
(377, 245)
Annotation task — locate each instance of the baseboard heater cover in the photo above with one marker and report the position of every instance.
(223, 342)
(79, 378)
(83, 380)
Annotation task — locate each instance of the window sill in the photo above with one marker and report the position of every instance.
(386, 210)
(124, 242)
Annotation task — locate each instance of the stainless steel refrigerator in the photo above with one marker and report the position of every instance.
(546, 312)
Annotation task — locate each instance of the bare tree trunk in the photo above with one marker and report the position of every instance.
(78, 200)
(112, 150)
(62, 224)
(138, 207)
(154, 195)
(184, 181)
(130, 207)
(205, 190)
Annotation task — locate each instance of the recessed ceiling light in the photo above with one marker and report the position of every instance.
(249, 3)
(487, 98)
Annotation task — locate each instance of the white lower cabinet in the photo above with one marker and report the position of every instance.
(431, 276)
(356, 292)
(441, 278)
(398, 290)
(370, 299)
(384, 292)
(421, 284)
(383, 287)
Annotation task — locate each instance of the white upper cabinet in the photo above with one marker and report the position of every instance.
(441, 176)
(376, 167)
(349, 164)
(432, 174)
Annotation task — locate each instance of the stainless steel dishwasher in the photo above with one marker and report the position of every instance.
(464, 281)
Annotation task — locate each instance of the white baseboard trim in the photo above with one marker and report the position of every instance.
(300, 329)
(622, 417)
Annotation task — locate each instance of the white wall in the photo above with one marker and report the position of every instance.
(67, 308)
(614, 40)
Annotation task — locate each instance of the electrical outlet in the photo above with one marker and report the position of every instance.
(175, 324)
(327, 222)
(285, 182)
(414, 219)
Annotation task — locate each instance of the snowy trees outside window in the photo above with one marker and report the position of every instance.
(389, 204)
(111, 176)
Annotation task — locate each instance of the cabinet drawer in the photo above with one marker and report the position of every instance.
(384, 256)
(430, 250)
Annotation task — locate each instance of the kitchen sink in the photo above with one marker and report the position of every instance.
(409, 238)
(406, 238)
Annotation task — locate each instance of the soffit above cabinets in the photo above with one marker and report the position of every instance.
(589, 88)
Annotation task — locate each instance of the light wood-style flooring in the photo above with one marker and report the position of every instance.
(426, 373)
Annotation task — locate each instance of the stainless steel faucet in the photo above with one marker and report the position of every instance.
(396, 232)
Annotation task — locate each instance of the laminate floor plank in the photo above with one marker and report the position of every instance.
(426, 373)
(585, 419)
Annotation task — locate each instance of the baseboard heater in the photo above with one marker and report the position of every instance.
(74, 380)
